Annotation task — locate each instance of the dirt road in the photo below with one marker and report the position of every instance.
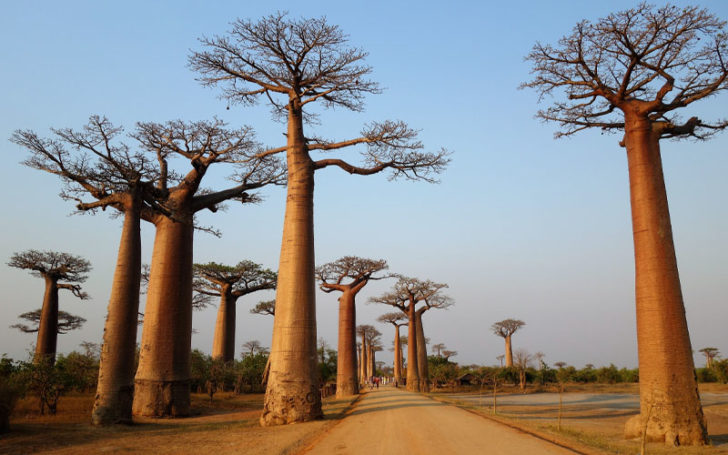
(392, 422)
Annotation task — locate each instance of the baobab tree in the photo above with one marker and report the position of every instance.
(505, 329)
(101, 171)
(447, 354)
(435, 301)
(631, 72)
(397, 319)
(162, 379)
(405, 295)
(710, 355)
(348, 275)
(265, 307)
(295, 64)
(229, 283)
(253, 347)
(66, 322)
(59, 271)
(438, 348)
(369, 335)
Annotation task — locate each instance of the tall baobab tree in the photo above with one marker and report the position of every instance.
(59, 271)
(405, 295)
(505, 329)
(435, 301)
(348, 275)
(162, 379)
(397, 319)
(710, 355)
(229, 283)
(369, 335)
(100, 171)
(295, 64)
(631, 72)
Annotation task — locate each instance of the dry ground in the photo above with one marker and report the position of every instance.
(592, 415)
(227, 426)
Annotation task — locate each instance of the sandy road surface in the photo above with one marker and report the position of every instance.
(393, 422)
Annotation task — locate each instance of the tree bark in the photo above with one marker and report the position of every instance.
(292, 394)
(509, 352)
(423, 368)
(669, 397)
(397, 356)
(115, 390)
(364, 360)
(162, 381)
(413, 375)
(47, 340)
(346, 375)
(223, 343)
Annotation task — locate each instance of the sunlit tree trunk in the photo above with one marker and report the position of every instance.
(45, 346)
(292, 393)
(346, 374)
(223, 343)
(397, 356)
(413, 375)
(162, 381)
(668, 389)
(115, 390)
(422, 366)
(509, 352)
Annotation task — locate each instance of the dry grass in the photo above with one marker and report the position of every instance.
(228, 425)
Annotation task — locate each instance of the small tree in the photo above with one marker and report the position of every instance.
(60, 271)
(505, 329)
(522, 360)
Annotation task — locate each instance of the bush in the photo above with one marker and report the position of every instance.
(706, 375)
(10, 391)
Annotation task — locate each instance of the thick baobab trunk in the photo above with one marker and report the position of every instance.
(509, 352)
(346, 375)
(292, 394)
(162, 384)
(364, 360)
(423, 368)
(397, 356)
(115, 390)
(373, 363)
(668, 391)
(413, 373)
(45, 346)
(223, 343)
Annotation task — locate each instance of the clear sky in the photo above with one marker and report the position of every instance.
(521, 226)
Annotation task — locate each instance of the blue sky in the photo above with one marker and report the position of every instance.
(521, 225)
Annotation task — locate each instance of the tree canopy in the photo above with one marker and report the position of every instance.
(645, 60)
